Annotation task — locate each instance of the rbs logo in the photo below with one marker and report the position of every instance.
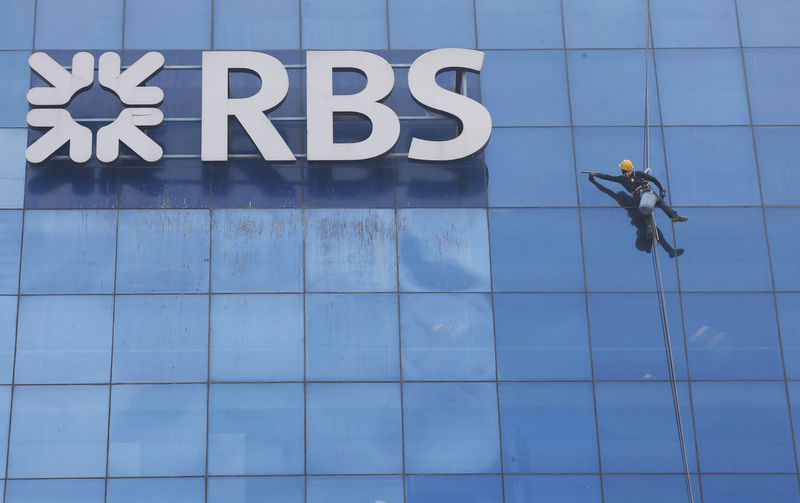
(251, 112)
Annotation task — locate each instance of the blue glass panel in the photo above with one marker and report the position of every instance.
(63, 491)
(328, 25)
(600, 97)
(11, 230)
(771, 22)
(256, 490)
(703, 86)
(58, 431)
(157, 430)
(443, 185)
(255, 429)
(420, 24)
(595, 24)
(79, 24)
(726, 250)
(12, 192)
(548, 427)
(685, 23)
(447, 337)
(628, 339)
(256, 24)
(8, 333)
(332, 185)
(350, 250)
(732, 336)
(5, 405)
(519, 24)
(162, 338)
(724, 154)
(541, 336)
(153, 26)
(531, 167)
(637, 427)
(251, 184)
(536, 250)
(354, 428)
(773, 77)
(355, 489)
(15, 82)
(525, 88)
(778, 150)
(60, 185)
(352, 337)
(464, 489)
(747, 488)
(257, 251)
(451, 428)
(561, 488)
(743, 427)
(789, 318)
(156, 490)
(69, 252)
(617, 251)
(654, 488)
(16, 24)
(64, 339)
(12, 165)
(256, 337)
(176, 183)
(163, 251)
(443, 250)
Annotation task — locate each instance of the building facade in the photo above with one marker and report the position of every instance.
(479, 331)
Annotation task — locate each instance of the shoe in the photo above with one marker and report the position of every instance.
(649, 231)
(676, 253)
(679, 218)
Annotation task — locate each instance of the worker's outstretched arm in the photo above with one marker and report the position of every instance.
(651, 178)
(610, 178)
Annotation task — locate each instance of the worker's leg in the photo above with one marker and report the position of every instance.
(666, 208)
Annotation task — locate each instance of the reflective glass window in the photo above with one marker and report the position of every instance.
(638, 432)
(531, 167)
(358, 24)
(726, 250)
(685, 23)
(419, 24)
(773, 77)
(256, 489)
(367, 186)
(743, 427)
(451, 428)
(162, 251)
(161, 338)
(561, 488)
(8, 334)
(770, 22)
(257, 251)
(5, 404)
(519, 24)
(64, 339)
(352, 337)
(548, 427)
(15, 82)
(12, 166)
(354, 428)
(185, 490)
(11, 229)
(447, 337)
(256, 337)
(16, 24)
(157, 430)
(461, 488)
(69, 251)
(789, 318)
(536, 250)
(443, 250)
(778, 151)
(350, 250)
(255, 429)
(594, 24)
(151, 25)
(726, 156)
(79, 24)
(63, 491)
(655, 488)
(246, 184)
(176, 183)
(432, 185)
(794, 402)
(702, 86)
(354, 489)
(58, 431)
(56, 187)
(541, 336)
(745, 488)
(256, 24)
(525, 88)
(600, 97)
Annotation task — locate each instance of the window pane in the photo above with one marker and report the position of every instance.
(364, 186)
(747, 488)
(327, 25)
(256, 24)
(15, 82)
(153, 26)
(16, 24)
(778, 148)
(420, 24)
(176, 183)
(256, 490)
(12, 166)
(773, 78)
(248, 183)
(770, 22)
(464, 489)
(593, 24)
(11, 228)
(8, 334)
(685, 23)
(156, 490)
(519, 24)
(63, 25)
(789, 317)
(354, 489)
(63, 491)
(657, 488)
(561, 488)
(430, 185)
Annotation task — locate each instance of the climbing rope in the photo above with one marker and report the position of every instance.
(657, 266)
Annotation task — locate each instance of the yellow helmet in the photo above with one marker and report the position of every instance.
(626, 165)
